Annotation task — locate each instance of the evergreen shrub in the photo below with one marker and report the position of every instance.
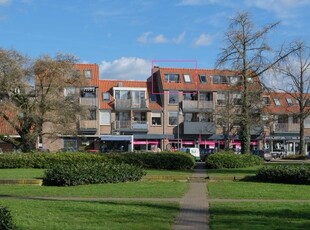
(163, 160)
(231, 160)
(289, 174)
(87, 172)
(6, 220)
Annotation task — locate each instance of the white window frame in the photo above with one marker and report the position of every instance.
(105, 117)
(187, 78)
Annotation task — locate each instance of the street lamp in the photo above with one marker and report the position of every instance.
(180, 113)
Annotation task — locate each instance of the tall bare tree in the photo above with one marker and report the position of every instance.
(295, 72)
(247, 53)
(31, 96)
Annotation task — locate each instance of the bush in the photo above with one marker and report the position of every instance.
(289, 174)
(44, 160)
(6, 220)
(230, 160)
(78, 173)
(163, 160)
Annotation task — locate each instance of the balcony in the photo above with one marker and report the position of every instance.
(89, 101)
(286, 127)
(129, 104)
(88, 127)
(198, 106)
(130, 126)
(199, 127)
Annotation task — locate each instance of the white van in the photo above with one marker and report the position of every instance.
(194, 152)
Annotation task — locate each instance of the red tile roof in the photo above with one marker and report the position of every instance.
(195, 83)
(95, 71)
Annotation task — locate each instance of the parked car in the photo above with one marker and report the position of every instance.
(193, 151)
(265, 154)
(204, 153)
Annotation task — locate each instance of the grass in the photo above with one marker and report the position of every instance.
(272, 206)
(67, 215)
(259, 215)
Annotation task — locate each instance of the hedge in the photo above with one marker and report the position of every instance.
(45, 160)
(289, 174)
(6, 220)
(163, 160)
(231, 160)
(79, 173)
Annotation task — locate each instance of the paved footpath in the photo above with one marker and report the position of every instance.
(194, 205)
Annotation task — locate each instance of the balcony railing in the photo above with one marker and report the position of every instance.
(130, 125)
(286, 127)
(86, 124)
(89, 101)
(129, 104)
(199, 127)
(207, 106)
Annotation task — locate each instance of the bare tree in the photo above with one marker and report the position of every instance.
(28, 102)
(246, 53)
(295, 72)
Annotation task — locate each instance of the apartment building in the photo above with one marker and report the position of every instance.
(281, 132)
(173, 108)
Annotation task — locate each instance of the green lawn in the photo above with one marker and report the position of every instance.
(259, 215)
(271, 206)
(67, 215)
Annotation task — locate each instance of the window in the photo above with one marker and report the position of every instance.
(190, 96)
(205, 96)
(203, 78)
(219, 79)
(205, 117)
(187, 78)
(277, 101)
(221, 98)
(89, 92)
(266, 100)
(172, 77)
(234, 80)
(70, 144)
(173, 97)
(153, 97)
(106, 96)
(236, 98)
(173, 118)
(295, 119)
(156, 118)
(92, 114)
(283, 119)
(289, 101)
(105, 118)
(69, 91)
(88, 74)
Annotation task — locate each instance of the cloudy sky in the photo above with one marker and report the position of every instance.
(127, 37)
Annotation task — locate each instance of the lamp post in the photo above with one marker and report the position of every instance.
(180, 113)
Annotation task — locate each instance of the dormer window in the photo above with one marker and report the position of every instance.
(203, 78)
(88, 74)
(277, 101)
(187, 78)
(289, 101)
(172, 77)
(266, 100)
(219, 79)
(106, 96)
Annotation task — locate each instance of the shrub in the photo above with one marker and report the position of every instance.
(290, 174)
(44, 160)
(229, 160)
(163, 160)
(78, 173)
(6, 220)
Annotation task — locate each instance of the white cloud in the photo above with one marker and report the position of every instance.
(160, 39)
(126, 68)
(282, 8)
(149, 37)
(179, 39)
(144, 38)
(203, 40)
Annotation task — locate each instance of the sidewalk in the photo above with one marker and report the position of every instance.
(194, 205)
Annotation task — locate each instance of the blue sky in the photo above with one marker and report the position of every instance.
(125, 37)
